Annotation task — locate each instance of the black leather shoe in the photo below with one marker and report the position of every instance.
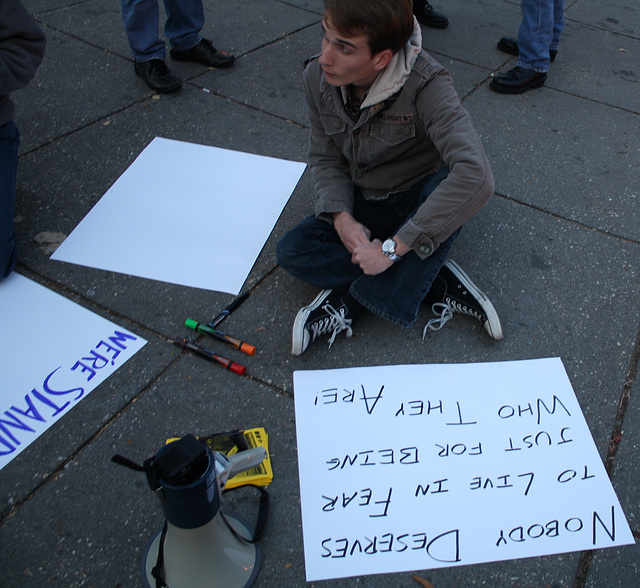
(517, 81)
(157, 75)
(427, 16)
(204, 52)
(510, 45)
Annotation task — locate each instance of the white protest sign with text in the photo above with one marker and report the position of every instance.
(426, 466)
(54, 353)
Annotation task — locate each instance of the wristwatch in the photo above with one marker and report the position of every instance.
(389, 249)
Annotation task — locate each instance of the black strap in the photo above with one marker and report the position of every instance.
(126, 462)
(263, 514)
(147, 467)
(158, 571)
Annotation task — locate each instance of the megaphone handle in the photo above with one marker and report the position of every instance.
(245, 460)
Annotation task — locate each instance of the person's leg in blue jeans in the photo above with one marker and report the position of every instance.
(9, 143)
(558, 24)
(185, 20)
(142, 21)
(536, 46)
(536, 33)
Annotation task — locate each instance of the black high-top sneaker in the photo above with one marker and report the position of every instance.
(327, 314)
(461, 295)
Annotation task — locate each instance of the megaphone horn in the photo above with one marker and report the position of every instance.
(199, 546)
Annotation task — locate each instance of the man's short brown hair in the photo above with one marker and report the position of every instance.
(387, 24)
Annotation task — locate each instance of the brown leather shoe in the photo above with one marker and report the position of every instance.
(204, 52)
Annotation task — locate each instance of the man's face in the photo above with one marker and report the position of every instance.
(346, 60)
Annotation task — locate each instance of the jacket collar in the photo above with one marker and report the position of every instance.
(393, 77)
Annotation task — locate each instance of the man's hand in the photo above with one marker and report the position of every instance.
(370, 258)
(351, 232)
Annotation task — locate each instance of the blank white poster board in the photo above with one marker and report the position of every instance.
(187, 214)
(54, 353)
(426, 466)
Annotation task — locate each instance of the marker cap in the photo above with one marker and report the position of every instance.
(237, 368)
(191, 324)
(250, 349)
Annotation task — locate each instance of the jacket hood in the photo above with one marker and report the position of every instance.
(391, 79)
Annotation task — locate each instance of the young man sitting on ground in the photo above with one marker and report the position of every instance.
(398, 169)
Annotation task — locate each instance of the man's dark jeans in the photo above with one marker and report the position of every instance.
(312, 251)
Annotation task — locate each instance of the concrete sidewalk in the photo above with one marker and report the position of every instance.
(557, 250)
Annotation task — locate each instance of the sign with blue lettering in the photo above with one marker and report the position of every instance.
(426, 466)
(54, 352)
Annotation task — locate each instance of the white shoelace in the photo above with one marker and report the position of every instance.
(336, 321)
(442, 317)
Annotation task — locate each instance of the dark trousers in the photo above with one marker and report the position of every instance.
(312, 251)
(9, 143)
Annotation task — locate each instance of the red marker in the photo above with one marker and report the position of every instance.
(211, 356)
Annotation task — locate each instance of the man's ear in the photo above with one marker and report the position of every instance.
(382, 59)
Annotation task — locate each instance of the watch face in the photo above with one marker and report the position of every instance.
(389, 246)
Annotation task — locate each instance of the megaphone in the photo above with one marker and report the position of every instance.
(199, 545)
